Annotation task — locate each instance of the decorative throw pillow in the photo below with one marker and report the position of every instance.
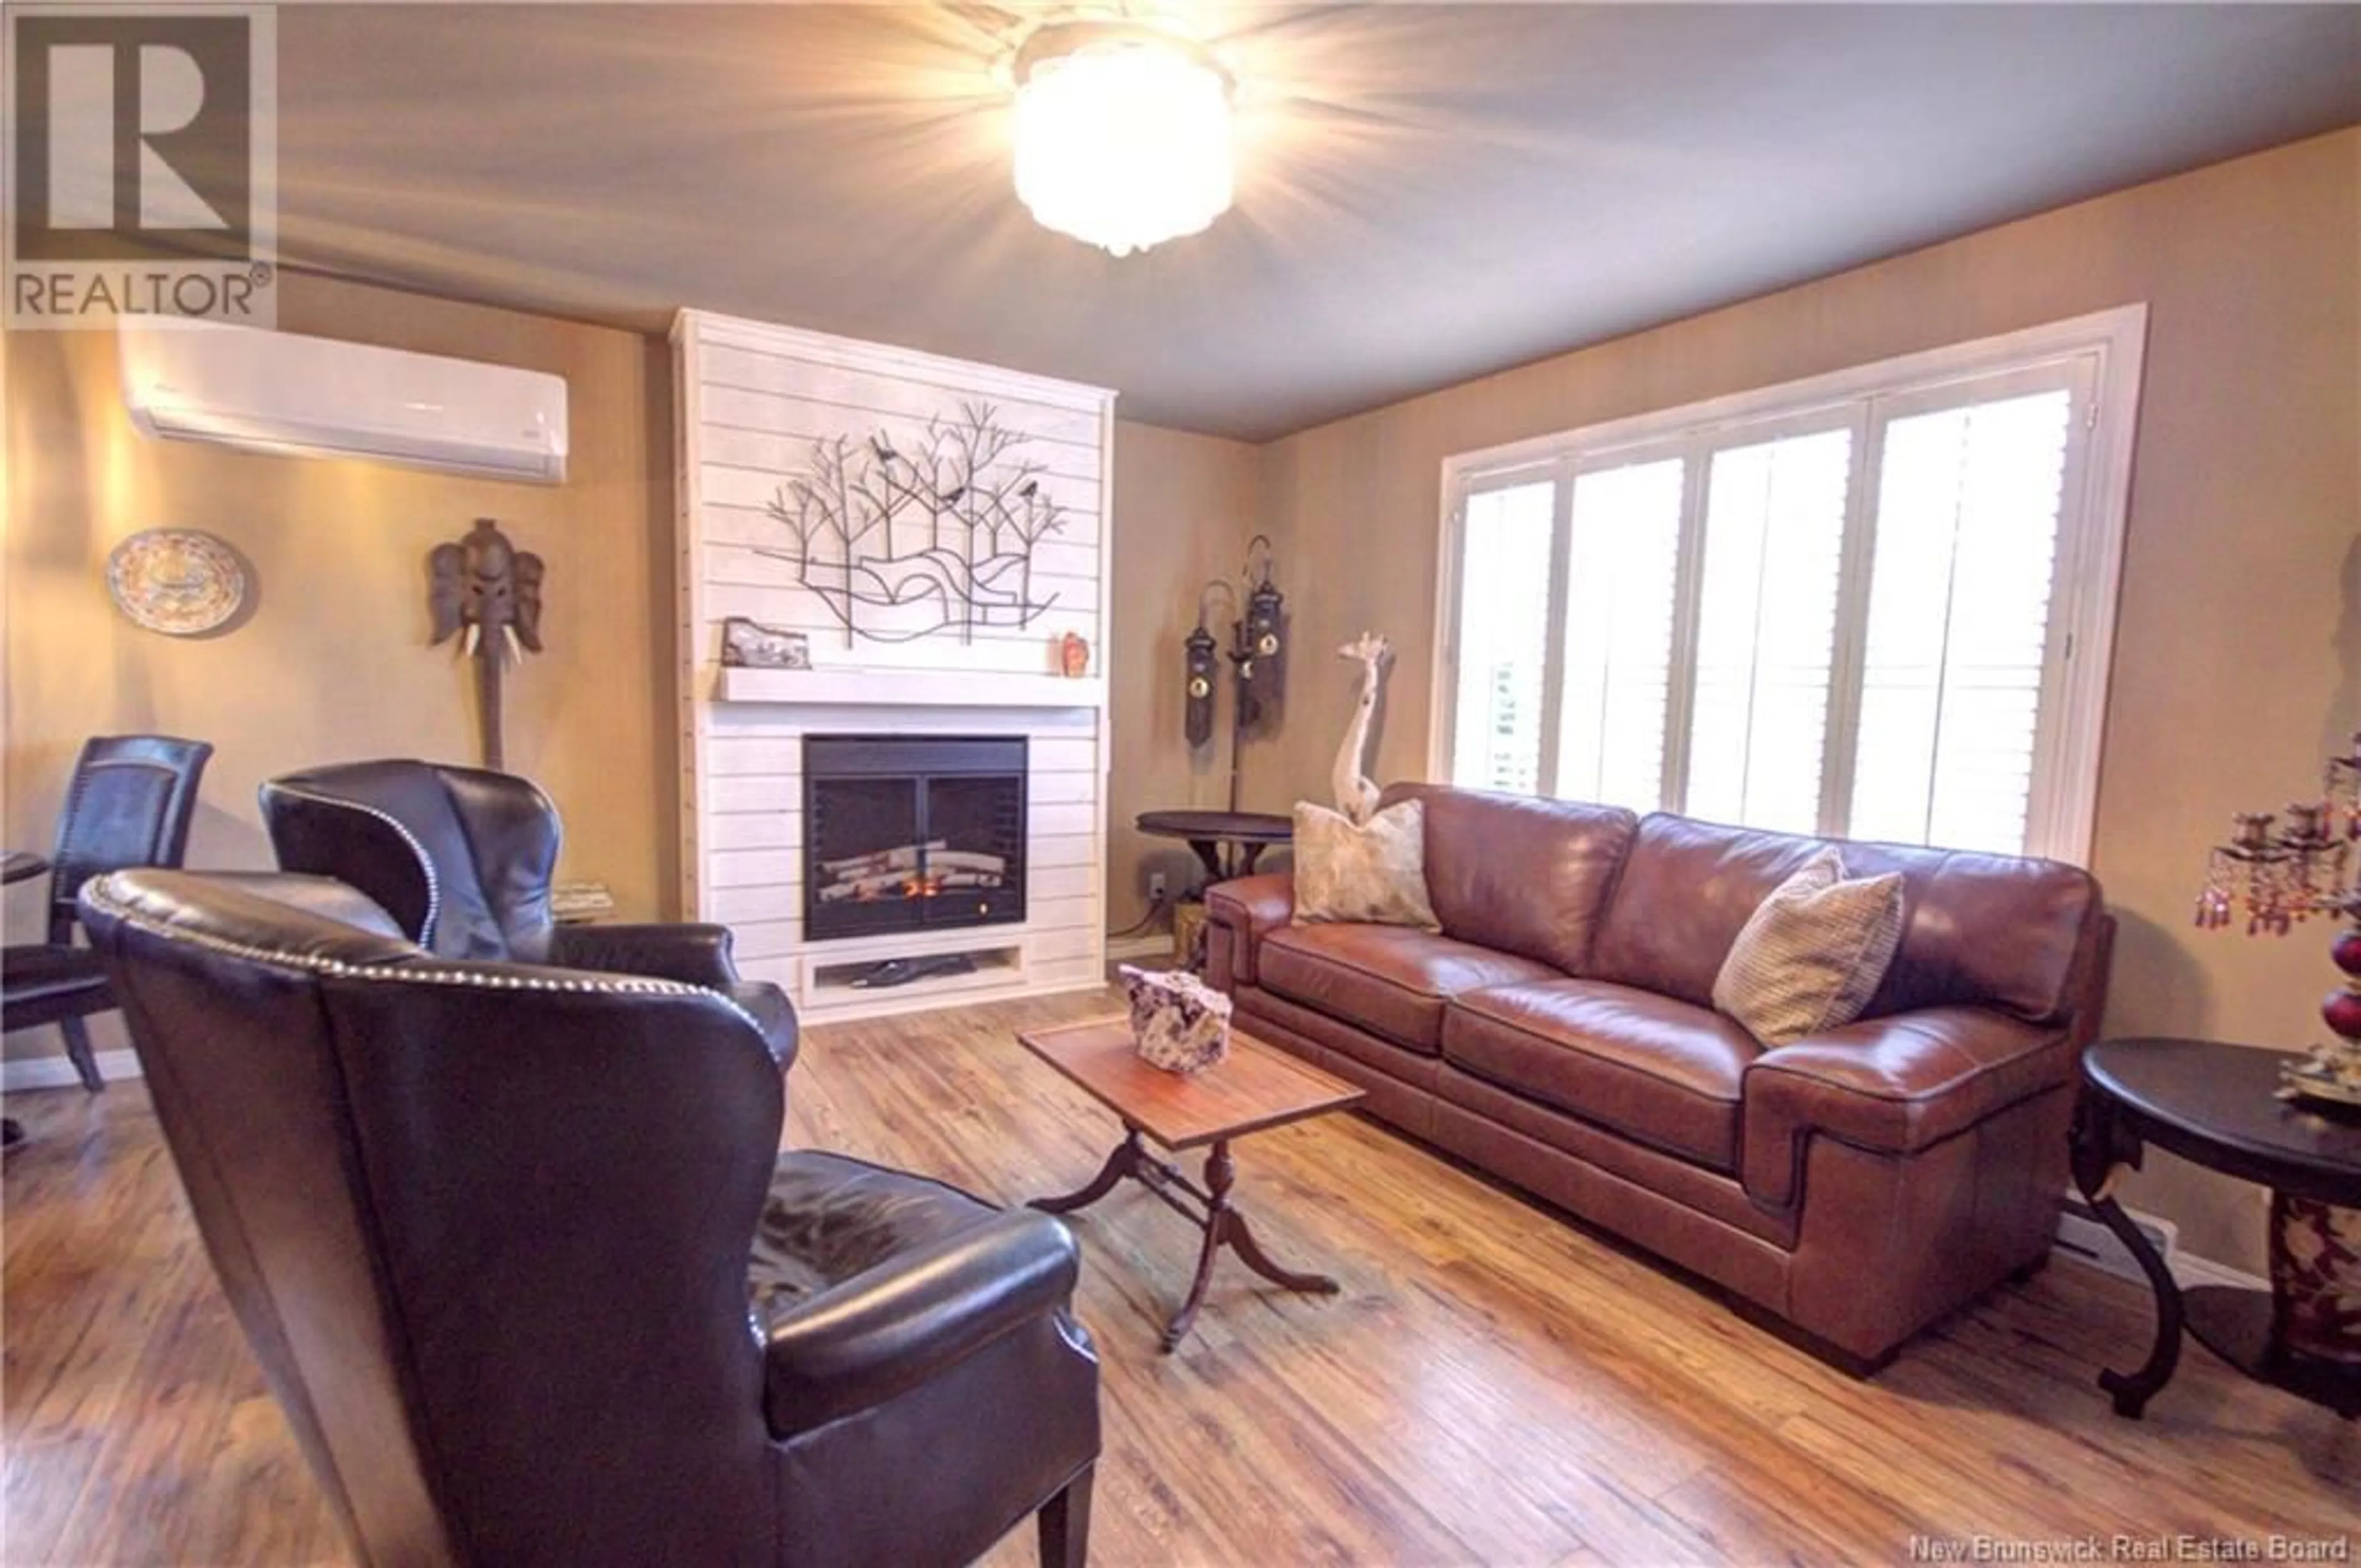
(1373, 872)
(1812, 954)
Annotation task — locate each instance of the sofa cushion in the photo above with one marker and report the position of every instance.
(1389, 979)
(1979, 930)
(1812, 955)
(1663, 1071)
(1372, 872)
(1523, 875)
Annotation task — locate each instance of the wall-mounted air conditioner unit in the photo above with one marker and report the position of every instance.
(316, 397)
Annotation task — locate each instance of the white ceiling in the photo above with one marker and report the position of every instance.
(1427, 192)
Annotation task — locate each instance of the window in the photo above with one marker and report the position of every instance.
(1876, 605)
(1505, 647)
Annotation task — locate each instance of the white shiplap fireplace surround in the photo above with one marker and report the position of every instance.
(760, 407)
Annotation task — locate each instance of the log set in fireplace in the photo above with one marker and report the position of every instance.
(907, 833)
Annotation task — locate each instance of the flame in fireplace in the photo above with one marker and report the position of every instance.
(910, 887)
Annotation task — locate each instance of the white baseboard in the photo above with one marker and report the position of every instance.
(2084, 1240)
(2189, 1269)
(57, 1072)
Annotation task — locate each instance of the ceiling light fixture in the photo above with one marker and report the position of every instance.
(1123, 133)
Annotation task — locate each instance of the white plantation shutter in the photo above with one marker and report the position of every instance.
(1959, 621)
(1504, 585)
(1766, 629)
(1877, 605)
(1622, 561)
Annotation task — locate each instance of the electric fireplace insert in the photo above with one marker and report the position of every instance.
(912, 833)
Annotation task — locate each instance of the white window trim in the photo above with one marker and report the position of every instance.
(2090, 567)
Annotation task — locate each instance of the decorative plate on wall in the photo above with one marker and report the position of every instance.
(176, 581)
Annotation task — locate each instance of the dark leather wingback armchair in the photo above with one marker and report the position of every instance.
(521, 1263)
(462, 859)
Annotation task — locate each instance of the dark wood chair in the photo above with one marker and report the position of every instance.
(130, 803)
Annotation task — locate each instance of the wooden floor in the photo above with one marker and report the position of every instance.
(1494, 1386)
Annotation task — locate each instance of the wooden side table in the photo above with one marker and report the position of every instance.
(2215, 1105)
(1228, 843)
(1256, 1089)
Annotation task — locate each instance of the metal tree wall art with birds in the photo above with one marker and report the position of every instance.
(902, 544)
(487, 588)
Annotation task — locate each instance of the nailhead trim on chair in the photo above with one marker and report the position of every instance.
(100, 891)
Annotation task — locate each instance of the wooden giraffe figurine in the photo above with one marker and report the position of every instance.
(1357, 794)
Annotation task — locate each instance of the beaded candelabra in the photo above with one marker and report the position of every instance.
(2278, 873)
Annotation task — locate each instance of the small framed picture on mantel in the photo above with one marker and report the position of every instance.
(751, 645)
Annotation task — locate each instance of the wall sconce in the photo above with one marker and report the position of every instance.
(1261, 637)
(1203, 660)
(1256, 653)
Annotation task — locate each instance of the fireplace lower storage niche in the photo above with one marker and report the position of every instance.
(912, 833)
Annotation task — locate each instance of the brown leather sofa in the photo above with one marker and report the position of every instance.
(1559, 1033)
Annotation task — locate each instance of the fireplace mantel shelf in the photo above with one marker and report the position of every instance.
(907, 688)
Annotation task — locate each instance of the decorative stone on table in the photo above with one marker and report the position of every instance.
(2328, 1069)
(1181, 1023)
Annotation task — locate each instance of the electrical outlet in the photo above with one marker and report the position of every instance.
(1155, 887)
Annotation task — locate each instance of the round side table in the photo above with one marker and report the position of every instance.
(2216, 1105)
(1228, 843)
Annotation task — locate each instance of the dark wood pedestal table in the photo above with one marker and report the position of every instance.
(1228, 843)
(1256, 1088)
(2213, 1104)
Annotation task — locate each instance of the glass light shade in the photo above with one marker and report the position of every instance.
(1124, 142)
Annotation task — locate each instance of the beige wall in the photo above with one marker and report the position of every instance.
(1184, 508)
(2238, 656)
(333, 663)
(2238, 647)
